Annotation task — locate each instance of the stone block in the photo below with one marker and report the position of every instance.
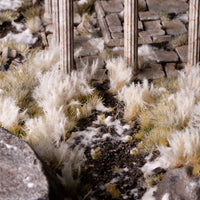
(174, 27)
(113, 20)
(115, 29)
(182, 53)
(161, 38)
(142, 5)
(140, 25)
(77, 19)
(117, 35)
(113, 6)
(163, 56)
(170, 69)
(144, 40)
(99, 10)
(49, 28)
(151, 33)
(153, 71)
(150, 25)
(167, 6)
(105, 30)
(148, 15)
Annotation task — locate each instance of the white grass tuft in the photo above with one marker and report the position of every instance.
(190, 78)
(184, 149)
(23, 37)
(44, 60)
(98, 43)
(57, 89)
(135, 97)
(9, 112)
(119, 74)
(34, 24)
(10, 4)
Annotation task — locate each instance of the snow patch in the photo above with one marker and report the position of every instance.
(18, 26)
(165, 196)
(147, 52)
(10, 4)
(8, 145)
(23, 37)
(149, 194)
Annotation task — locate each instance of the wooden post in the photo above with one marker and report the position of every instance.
(131, 33)
(48, 7)
(55, 19)
(66, 35)
(193, 33)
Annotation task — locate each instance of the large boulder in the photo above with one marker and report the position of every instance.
(22, 174)
(179, 184)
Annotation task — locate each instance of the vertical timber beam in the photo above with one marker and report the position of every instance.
(55, 18)
(66, 35)
(131, 33)
(48, 7)
(193, 33)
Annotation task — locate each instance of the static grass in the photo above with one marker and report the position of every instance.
(180, 40)
(86, 7)
(8, 16)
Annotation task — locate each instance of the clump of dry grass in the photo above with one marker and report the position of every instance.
(84, 6)
(31, 12)
(183, 149)
(119, 74)
(8, 16)
(180, 40)
(34, 24)
(21, 48)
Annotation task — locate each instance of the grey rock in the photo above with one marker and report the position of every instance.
(115, 29)
(167, 6)
(179, 184)
(142, 5)
(88, 61)
(174, 27)
(22, 174)
(145, 40)
(44, 39)
(161, 38)
(99, 10)
(49, 38)
(148, 15)
(49, 28)
(150, 25)
(13, 53)
(113, 23)
(153, 71)
(182, 52)
(166, 56)
(87, 48)
(140, 25)
(77, 19)
(151, 32)
(117, 35)
(113, 6)
(113, 20)
(170, 69)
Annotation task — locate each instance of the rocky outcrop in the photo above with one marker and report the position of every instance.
(22, 174)
(178, 184)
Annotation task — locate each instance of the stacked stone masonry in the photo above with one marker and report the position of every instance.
(161, 24)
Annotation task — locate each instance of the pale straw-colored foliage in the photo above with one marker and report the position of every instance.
(119, 74)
